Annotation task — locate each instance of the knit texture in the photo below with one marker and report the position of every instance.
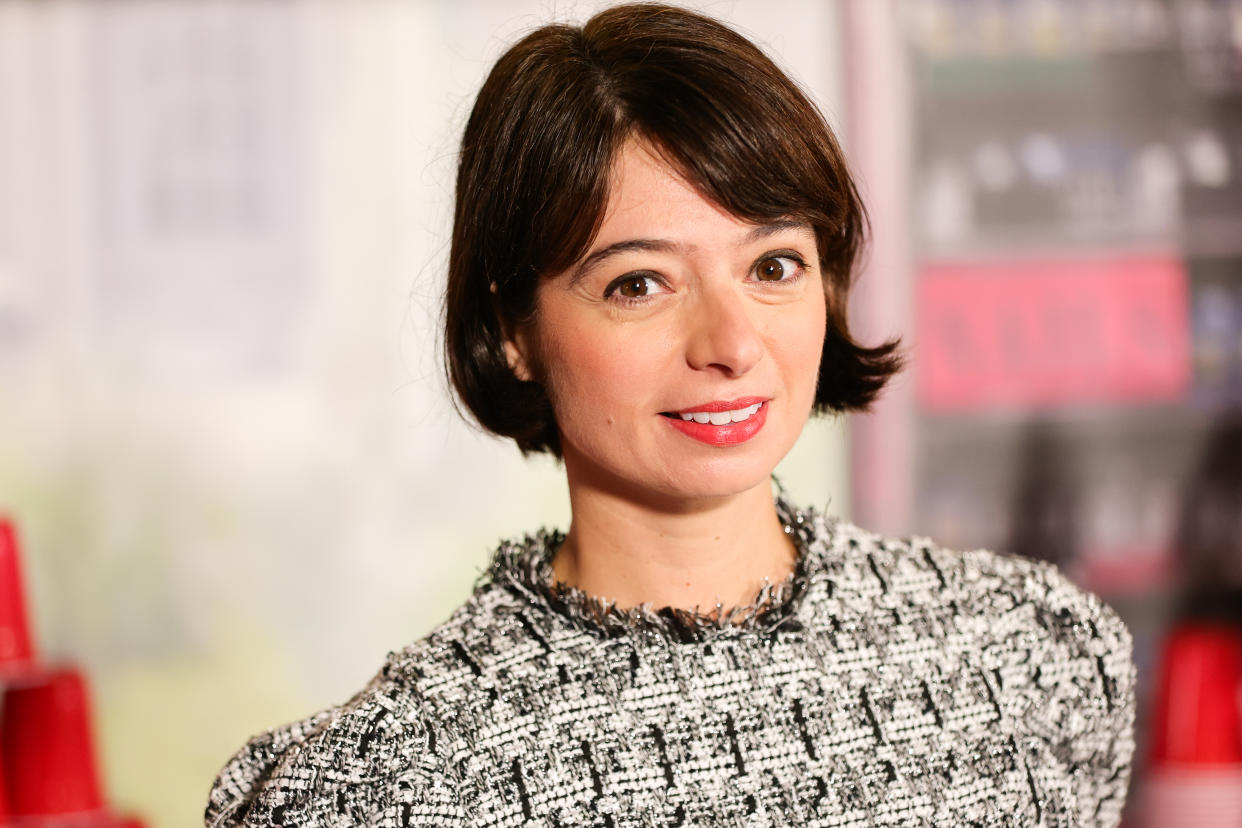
(884, 682)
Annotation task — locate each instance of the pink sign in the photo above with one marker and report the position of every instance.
(1044, 333)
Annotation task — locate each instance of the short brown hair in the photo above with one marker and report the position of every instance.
(534, 172)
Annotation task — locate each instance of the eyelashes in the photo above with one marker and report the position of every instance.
(634, 288)
(641, 286)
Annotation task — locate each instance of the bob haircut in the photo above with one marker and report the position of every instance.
(534, 172)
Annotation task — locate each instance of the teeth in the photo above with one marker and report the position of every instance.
(743, 413)
(721, 417)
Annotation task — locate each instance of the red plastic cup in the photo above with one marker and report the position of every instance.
(16, 652)
(1197, 716)
(4, 802)
(49, 752)
(1194, 777)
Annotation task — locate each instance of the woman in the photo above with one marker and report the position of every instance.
(653, 245)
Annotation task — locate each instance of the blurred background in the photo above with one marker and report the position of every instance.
(226, 442)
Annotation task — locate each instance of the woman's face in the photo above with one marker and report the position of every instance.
(681, 353)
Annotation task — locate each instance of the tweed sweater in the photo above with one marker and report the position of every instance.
(884, 682)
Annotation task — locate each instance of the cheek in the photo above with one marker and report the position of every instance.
(597, 373)
(800, 347)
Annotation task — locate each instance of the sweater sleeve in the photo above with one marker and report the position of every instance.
(1083, 694)
(373, 761)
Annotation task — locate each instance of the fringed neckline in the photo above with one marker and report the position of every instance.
(525, 566)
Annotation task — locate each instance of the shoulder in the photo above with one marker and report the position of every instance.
(996, 593)
(1013, 606)
(376, 758)
(1032, 608)
(1053, 656)
(385, 755)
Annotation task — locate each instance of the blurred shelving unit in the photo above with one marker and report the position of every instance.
(1062, 232)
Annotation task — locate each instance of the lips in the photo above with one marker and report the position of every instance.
(721, 422)
(721, 405)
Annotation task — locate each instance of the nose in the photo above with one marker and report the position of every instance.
(721, 334)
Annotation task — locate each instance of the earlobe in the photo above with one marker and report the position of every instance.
(513, 350)
(517, 362)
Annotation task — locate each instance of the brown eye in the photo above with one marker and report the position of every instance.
(781, 268)
(633, 286)
(635, 289)
(771, 269)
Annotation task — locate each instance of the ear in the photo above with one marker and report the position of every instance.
(515, 355)
(514, 343)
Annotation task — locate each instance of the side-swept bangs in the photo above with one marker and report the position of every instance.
(533, 181)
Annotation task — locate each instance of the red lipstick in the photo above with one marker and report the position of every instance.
(723, 405)
(731, 434)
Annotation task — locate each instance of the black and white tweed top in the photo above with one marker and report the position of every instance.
(884, 682)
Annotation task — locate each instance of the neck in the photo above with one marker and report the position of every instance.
(684, 554)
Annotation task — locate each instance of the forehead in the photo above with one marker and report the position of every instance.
(649, 198)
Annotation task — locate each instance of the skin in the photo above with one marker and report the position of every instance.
(707, 307)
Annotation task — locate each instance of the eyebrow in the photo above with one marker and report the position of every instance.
(593, 260)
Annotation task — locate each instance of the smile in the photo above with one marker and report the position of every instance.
(719, 418)
(721, 424)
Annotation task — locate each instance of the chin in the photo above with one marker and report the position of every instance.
(674, 466)
(719, 472)
(710, 477)
(723, 489)
(695, 478)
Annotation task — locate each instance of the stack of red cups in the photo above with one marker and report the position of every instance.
(48, 774)
(1194, 774)
(4, 804)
